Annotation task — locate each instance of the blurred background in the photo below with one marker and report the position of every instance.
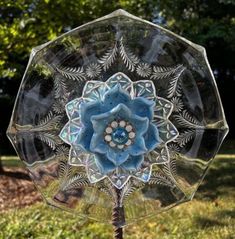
(25, 24)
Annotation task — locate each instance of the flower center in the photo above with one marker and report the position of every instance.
(120, 135)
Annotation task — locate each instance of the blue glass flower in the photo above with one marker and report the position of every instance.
(112, 129)
(118, 130)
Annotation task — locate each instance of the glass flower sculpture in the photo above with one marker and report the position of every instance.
(113, 126)
(117, 113)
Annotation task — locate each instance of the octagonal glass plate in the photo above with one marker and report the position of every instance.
(156, 70)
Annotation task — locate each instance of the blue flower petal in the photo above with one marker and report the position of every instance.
(84, 138)
(140, 124)
(114, 97)
(143, 107)
(105, 165)
(98, 145)
(100, 122)
(89, 109)
(97, 140)
(152, 137)
(133, 162)
(119, 112)
(138, 147)
(118, 157)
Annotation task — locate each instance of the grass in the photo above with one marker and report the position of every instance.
(227, 151)
(194, 220)
(11, 161)
(211, 215)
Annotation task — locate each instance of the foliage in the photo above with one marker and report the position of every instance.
(210, 23)
(25, 24)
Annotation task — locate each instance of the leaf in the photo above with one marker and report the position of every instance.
(162, 72)
(173, 88)
(169, 169)
(65, 170)
(60, 87)
(109, 57)
(106, 187)
(184, 119)
(45, 130)
(49, 138)
(62, 152)
(73, 73)
(185, 137)
(50, 122)
(159, 178)
(75, 182)
(130, 187)
(126, 191)
(128, 57)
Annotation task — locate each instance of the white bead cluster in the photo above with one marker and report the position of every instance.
(122, 124)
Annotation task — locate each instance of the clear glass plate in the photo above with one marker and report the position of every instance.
(169, 121)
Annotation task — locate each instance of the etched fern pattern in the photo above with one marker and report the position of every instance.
(46, 130)
(109, 57)
(171, 75)
(186, 120)
(129, 58)
(162, 179)
(73, 73)
(70, 179)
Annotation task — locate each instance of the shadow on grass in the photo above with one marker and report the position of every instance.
(17, 175)
(228, 147)
(226, 213)
(219, 180)
(204, 222)
(13, 165)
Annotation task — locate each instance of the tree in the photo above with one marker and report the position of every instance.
(210, 23)
(25, 24)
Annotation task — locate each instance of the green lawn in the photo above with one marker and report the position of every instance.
(211, 215)
(11, 161)
(227, 151)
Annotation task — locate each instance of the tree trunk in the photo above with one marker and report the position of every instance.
(1, 166)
